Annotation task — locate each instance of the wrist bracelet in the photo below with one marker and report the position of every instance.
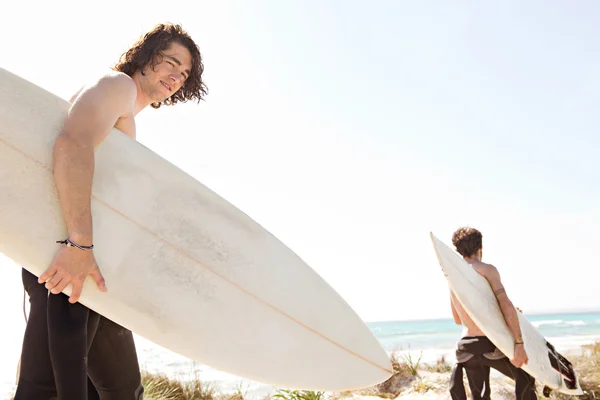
(519, 341)
(71, 243)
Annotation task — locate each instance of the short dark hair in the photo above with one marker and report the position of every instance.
(467, 241)
(148, 50)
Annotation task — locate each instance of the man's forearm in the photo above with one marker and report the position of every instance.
(511, 318)
(73, 172)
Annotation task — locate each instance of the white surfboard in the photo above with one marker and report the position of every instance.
(476, 296)
(184, 268)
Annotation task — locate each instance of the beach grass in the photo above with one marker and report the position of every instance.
(161, 387)
(587, 368)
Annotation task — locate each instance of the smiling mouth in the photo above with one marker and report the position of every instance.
(166, 85)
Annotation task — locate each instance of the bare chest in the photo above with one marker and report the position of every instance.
(126, 124)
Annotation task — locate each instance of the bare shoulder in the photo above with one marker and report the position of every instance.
(117, 79)
(490, 272)
(486, 269)
(99, 106)
(114, 87)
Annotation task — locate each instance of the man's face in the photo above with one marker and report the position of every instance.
(169, 75)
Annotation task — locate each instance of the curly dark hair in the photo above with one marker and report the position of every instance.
(148, 50)
(467, 241)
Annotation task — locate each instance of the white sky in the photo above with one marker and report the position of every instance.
(350, 132)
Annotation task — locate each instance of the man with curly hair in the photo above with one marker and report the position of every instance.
(475, 353)
(69, 351)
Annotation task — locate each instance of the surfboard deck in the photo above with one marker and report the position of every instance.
(184, 268)
(473, 291)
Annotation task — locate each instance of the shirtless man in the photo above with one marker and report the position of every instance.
(476, 353)
(70, 351)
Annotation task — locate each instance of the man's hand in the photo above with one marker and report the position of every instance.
(71, 265)
(520, 357)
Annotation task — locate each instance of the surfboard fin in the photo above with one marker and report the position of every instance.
(562, 366)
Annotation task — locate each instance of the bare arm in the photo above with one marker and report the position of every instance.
(94, 112)
(509, 312)
(506, 306)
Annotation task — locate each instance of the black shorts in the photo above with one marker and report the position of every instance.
(476, 355)
(72, 352)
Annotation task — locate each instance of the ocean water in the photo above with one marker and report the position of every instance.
(434, 338)
(427, 339)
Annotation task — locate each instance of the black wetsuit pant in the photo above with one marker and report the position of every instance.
(72, 353)
(477, 367)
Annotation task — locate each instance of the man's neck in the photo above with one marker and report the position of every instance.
(473, 259)
(141, 99)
